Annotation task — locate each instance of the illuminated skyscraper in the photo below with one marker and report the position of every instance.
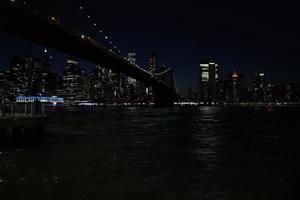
(73, 81)
(97, 84)
(131, 81)
(132, 60)
(237, 87)
(49, 79)
(152, 68)
(153, 62)
(132, 57)
(18, 77)
(209, 76)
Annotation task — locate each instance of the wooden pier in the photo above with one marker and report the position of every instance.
(26, 125)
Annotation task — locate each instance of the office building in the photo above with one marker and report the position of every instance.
(73, 82)
(259, 87)
(153, 62)
(237, 88)
(208, 84)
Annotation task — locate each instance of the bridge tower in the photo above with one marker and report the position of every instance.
(161, 97)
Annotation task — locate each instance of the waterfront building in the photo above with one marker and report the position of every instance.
(208, 81)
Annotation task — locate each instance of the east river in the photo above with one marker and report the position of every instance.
(147, 153)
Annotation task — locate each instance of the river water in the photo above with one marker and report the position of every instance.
(152, 153)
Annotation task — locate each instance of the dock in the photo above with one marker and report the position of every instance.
(23, 126)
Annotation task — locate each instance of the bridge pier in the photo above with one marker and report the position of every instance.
(163, 97)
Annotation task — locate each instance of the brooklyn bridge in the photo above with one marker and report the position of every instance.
(19, 19)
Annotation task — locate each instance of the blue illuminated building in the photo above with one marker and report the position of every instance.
(42, 99)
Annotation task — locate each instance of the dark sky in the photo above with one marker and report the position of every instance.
(243, 35)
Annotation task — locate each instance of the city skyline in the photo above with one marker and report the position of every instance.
(89, 67)
(253, 46)
(36, 76)
(144, 100)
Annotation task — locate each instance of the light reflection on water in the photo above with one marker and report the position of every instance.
(166, 153)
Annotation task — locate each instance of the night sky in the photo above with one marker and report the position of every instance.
(248, 37)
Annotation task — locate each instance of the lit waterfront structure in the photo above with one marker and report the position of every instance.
(208, 84)
(42, 99)
(259, 87)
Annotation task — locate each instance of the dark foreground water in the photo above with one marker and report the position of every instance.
(166, 153)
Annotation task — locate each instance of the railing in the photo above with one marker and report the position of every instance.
(29, 110)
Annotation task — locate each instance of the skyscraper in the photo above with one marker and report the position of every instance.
(208, 84)
(152, 68)
(132, 60)
(153, 62)
(4, 86)
(18, 77)
(49, 79)
(72, 81)
(237, 87)
(259, 87)
(132, 82)
(97, 84)
(132, 56)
